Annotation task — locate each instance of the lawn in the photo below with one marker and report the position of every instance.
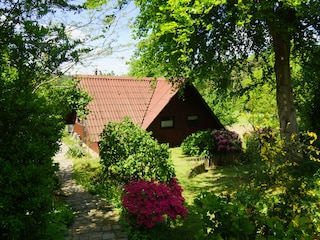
(218, 179)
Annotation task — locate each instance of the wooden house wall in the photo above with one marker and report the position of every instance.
(180, 107)
(79, 129)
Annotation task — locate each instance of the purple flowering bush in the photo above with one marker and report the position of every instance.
(226, 140)
(147, 203)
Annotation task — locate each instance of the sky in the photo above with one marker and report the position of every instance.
(110, 53)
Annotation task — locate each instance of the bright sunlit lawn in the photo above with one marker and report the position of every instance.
(220, 179)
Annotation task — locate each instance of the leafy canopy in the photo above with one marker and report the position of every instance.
(207, 39)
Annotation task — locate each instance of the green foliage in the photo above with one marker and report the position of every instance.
(29, 134)
(223, 103)
(159, 232)
(278, 201)
(211, 142)
(260, 107)
(200, 143)
(227, 31)
(31, 50)
(306, 82)
(129, 153)
(67, 98)
(59, 219)
(285, 177)
(223, 218)
(75, 151)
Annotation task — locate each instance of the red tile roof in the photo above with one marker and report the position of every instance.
(117, 97)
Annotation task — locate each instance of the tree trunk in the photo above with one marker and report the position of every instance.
(286, 109)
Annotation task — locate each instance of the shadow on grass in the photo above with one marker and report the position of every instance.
(189, 227)
(218, 179)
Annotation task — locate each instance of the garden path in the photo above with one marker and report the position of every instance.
(94, 219)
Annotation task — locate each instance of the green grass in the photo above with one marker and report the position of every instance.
(218, 179)
(86, 168)
(86, 171)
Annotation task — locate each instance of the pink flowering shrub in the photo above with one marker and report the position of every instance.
(148, 202)
(226, 140)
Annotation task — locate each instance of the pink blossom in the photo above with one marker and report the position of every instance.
(226, 140)
(147, 202)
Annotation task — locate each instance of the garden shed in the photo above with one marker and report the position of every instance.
(171, 115)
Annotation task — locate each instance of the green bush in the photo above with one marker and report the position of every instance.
(29, 137)
(223, 218)
(280, 200)
(75, 151)
(200, 143)
(129, 153)
(282, 195)
(211, 142)
(59, 219)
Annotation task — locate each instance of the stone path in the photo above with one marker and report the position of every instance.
(94, 219)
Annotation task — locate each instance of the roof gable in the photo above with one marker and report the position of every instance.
(162, 95)
(117, 97)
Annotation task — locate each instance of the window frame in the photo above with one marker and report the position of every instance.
(193, 122)
(167, 122)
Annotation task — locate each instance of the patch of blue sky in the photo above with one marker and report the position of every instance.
(112, 45)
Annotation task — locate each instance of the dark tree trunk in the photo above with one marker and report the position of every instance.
(286, 109)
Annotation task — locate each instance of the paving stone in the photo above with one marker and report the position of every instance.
(93, 218)
(106, 228)
(95, 236)
(116, 226)
(107, 236)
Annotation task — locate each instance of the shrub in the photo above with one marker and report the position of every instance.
(226, 140)
(223, 217)
(148, 203)
(75, 151)
(209, 143)
(30, 136)
(199, 143)
(60, 218)
(286, 181)
(280, 201)
(130, 153)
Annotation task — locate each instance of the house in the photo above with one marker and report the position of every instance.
(153, 104)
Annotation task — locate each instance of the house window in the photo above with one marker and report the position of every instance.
(192, 120)
(167, 122)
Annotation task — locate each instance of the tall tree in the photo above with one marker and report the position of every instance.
(211, 40)
(31, 51)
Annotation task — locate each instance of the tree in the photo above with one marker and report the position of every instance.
(31, 51)
(306, 83)
(67, 99)
(212, 40)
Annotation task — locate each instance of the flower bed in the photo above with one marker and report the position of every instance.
(228, 147)
(148, 203)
